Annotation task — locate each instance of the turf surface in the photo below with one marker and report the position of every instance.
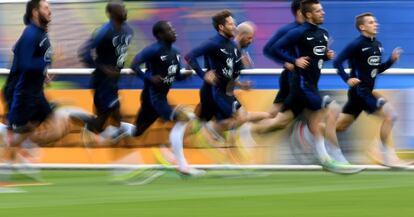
(90, 193)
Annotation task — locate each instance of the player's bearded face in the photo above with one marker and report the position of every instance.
(229, 28)
(45, 14)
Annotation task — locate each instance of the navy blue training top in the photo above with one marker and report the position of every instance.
(280, 32)
(32, 55)
(111, 48)
(308, 40)
(364, 56)
(222, 55)
(160, 59)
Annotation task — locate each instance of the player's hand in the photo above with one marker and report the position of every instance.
(396, 53)
(289, 66)
(210, 77)
(156, 79)
(352, 82)
(330, 54)
(302, 62)
(244, 85)
(109, 70)
(49, 78)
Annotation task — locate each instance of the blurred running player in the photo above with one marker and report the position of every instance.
(162, 61)
(23, 91)
(288, 68)
(244, 37)
(206, 109)
(311, 43)
(365, 57)
(110, 43)
(225, 63)
(25, 101)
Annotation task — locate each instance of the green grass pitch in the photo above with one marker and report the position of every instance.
(219, 193)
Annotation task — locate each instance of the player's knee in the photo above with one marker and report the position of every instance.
(391, 117)
(334, 109)
(390, 114)
(284, 123)
(340, 127)
(322, 126)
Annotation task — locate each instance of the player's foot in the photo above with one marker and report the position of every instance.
(115, 134)
(340, 168)
(387, 158)
(393, 161)
(336, 153)
(119, 134)
(193, 172)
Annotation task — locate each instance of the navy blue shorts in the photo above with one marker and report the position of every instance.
(226, 105)
(8, 97)
(302, 96)
(106, 97)
(284, 86)
(207, 104)
(360, 99)
(30, 109)
(153, 106)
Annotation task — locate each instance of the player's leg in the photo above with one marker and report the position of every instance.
(389, 115)
(282, 119)
(282, 94)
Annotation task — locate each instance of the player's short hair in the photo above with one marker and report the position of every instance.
(295, 6)
(30, 5)
(220, 18)
(306, 6)
(111, 4)
(360, 19)
(158, 28)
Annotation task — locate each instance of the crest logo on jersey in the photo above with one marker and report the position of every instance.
(319, 50)
(121, 42)
(172, 70)
(320, 63)
(374, 73)
(374, 60)
(228, 71)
